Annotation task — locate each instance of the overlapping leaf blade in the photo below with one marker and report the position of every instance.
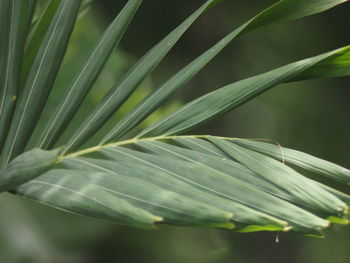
(282, 11)
(86, 76)
(72, 191)
(173, 207)
(40, 80)
(224, 186)
(226, 165)
(300, 159)
(14, 18)
(129, 82)
(222, 165)
(244, 217)
(200, 145)
(286, 10)
(285, 178)
(314, 164)
(214, 183)
(36, 36)
(233, 95)
(184, 187)
(27, 166)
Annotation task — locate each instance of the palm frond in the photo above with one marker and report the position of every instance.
(156, 177)
(186, 186)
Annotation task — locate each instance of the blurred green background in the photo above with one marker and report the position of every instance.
(312, 116)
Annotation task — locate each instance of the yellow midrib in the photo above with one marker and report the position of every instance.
(130, 141)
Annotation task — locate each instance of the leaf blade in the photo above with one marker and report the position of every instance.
(129, 82)
(13, 31)
(243, 215)
(75, 194)
(286, 178)
(224, 185)
(233, 95)
(200, 187)
(282, 11)
(26, 167)
(300, 159)
(86, 76)
(36, 36)
(40, 80)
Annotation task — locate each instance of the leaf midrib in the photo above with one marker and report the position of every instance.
(128, 142)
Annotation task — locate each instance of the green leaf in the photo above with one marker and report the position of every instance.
(200, 187)
(282, 11)
(300, 159)
(286, 10)
(26, 167)
(334, 66)
(228, 166)
(233, 95)
(85, 7)
(243, 215)
(14, 17)
(86, 76)
(36, 36)
(342, 196)
(200, 145)
(285, 178)
(72, 192)
(224, 186)
(40, 80)
(159, 200)
(196, 181)
(128, 83)
(223, 165)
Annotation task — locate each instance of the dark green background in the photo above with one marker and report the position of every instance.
(312, 116)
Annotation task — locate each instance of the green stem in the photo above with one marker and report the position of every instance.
(128, 142)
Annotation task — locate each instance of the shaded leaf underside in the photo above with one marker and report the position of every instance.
(189, 181)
